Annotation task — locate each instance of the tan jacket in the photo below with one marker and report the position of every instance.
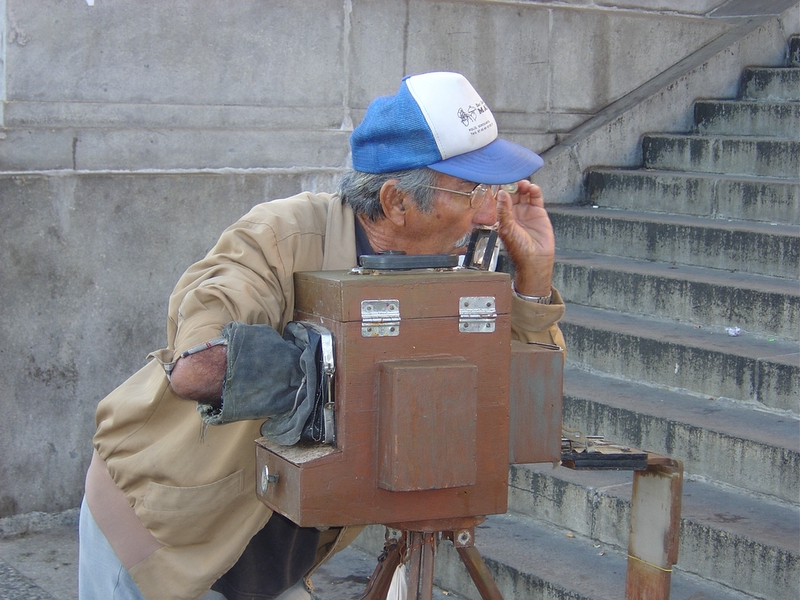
(193, 487)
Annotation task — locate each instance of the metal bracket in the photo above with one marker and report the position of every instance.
(477, 314)
(380, 318)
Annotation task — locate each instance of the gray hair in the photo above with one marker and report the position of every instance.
(362, 190)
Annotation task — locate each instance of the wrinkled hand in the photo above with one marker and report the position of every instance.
(527, 233)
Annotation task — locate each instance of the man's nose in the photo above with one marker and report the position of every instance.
(487, 213)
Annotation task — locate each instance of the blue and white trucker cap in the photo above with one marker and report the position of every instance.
(438, 120)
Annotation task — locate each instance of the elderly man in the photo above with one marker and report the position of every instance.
(170, 509)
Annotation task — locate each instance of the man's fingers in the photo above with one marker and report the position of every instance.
(505, 213)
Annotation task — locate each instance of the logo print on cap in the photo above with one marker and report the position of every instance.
(470, 115)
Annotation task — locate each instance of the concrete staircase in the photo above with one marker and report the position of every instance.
(661, 266)
(682, 333)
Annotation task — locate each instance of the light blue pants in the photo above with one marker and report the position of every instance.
(100, 574)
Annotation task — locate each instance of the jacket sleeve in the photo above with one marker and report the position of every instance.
(532, 322)
(247, 277)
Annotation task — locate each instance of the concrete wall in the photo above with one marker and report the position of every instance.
(543, 67)
(89, 256)
(87, 262)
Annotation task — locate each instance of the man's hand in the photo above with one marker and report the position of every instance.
(527, 233)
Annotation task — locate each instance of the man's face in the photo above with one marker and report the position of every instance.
(447, 228)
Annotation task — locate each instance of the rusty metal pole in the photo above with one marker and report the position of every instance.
(480, 574)
(464, 542)
(420, 566)
(654, 529)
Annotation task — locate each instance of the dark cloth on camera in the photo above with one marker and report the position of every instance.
(267, 377)
(276, 558)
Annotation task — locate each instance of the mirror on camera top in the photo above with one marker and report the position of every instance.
(397, 260)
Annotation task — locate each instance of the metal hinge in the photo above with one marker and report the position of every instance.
(380, 318)
(477, 314)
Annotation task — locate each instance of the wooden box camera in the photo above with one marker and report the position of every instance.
(433, 401)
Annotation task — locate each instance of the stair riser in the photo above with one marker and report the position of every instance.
(720, 197)
(729, 559)
(735, 250)
(732, 156)
(688, 301)
(99, 149)
(450, 575)
(587, 511)
(768, 382)
(770, 84)
(742, 463)
(713, 554)
(738, 119)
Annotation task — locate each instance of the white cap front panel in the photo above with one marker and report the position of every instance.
(457, 116)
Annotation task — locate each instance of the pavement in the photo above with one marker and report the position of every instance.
(42, 564)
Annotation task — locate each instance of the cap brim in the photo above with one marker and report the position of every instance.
(499, 162)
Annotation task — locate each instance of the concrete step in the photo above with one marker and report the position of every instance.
(757, 248)
(532, 560)
(761, 373)
(27, 149)
(760, 156)
(761, 199)
(765, 306)
(770, 83)
(748, 543)
(726, 442)
(738, 117)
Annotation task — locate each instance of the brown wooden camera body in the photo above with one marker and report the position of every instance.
(422, 403)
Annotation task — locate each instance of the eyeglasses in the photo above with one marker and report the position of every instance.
(476, 196)
(478, 193)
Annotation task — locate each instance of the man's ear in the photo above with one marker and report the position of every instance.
(394, 202)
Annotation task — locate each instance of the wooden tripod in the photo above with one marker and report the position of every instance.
(416, 545)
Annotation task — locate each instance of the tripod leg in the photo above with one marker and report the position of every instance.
(420, 575)
(479, 572)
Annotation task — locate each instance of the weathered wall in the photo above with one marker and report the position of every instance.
(89, 256)
(87, 262)
(543, 67)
